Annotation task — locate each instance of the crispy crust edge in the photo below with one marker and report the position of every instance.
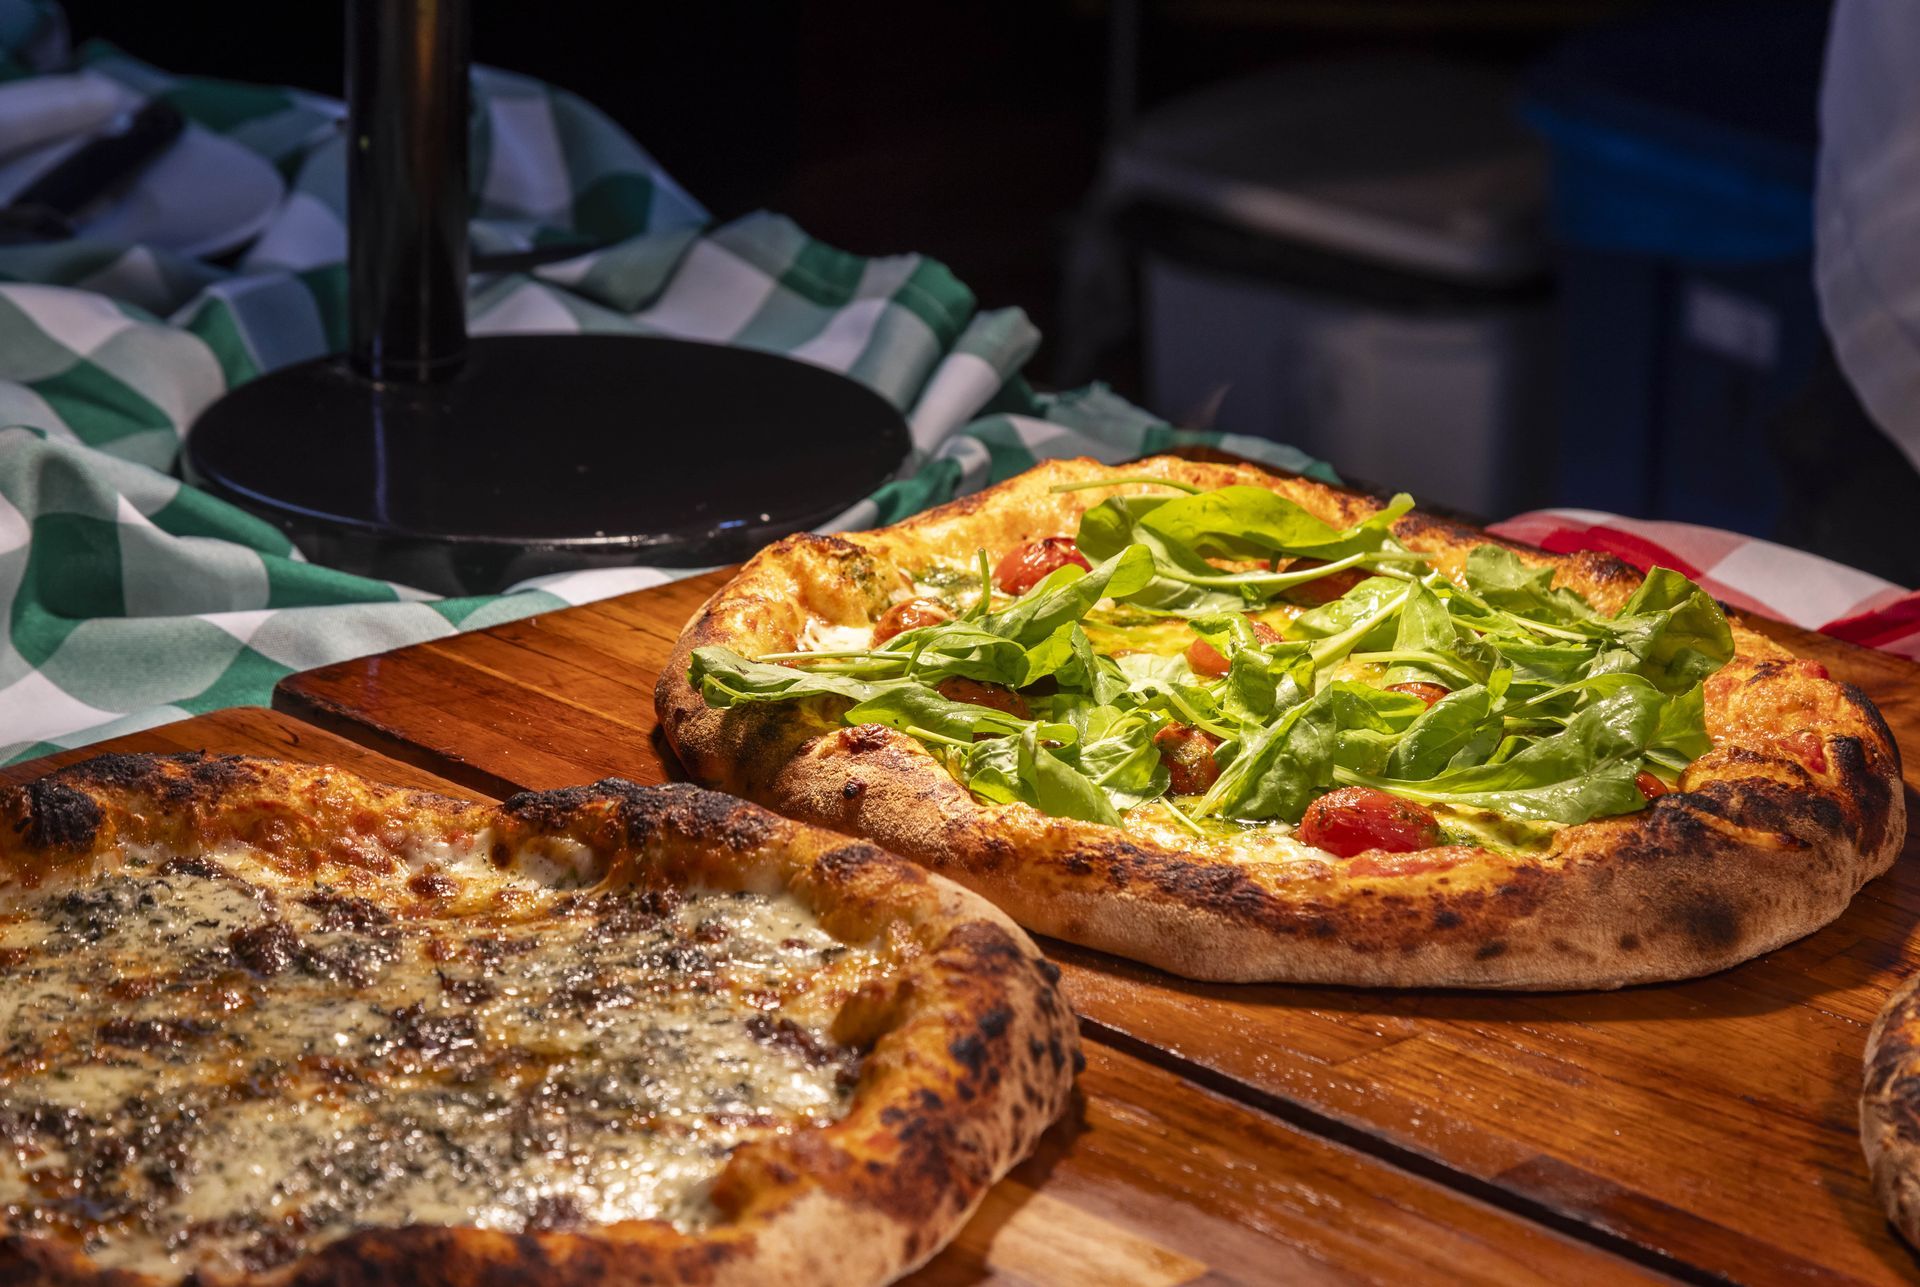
(1753, 852)
(974, 1052)
(1890, 1108)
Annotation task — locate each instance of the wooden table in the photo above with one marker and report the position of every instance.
(1704, 1129)
(1150, 1181)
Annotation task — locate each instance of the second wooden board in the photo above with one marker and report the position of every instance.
(1149, 1180)
(1709, 1123)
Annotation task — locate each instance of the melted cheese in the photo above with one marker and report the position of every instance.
(824, 636)
(1269, 848)
(207, 1072)
(1160, 637)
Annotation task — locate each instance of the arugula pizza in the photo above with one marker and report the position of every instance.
(1244, 727)
(1890, 1108)
(265, 1023)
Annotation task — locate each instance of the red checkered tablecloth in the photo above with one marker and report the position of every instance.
(1773, 580)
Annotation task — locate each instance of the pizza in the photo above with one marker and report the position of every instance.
(265, 1023)
(1250, 727)
(1890, 1108)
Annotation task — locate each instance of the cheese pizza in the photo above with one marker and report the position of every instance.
(267, 1023)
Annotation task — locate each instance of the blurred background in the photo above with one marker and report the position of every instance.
(1507, 253)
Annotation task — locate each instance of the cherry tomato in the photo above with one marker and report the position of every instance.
(1353, 820)
(1028, 566)
(993, 696)
(1188, 754)
(1805, 746)
(910, 615)
(1323, 589)
(1428, 693)
(1206, 659)
(1650, 786)
(1813, 670)
(1378, 862)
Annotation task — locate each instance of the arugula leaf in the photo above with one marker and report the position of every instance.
(1114, 524)
(1243, 522)
(1250, 691)
(1425, 623)
(1539, 665)
(1529, 793)
(1034, 636)
(1364, 706)
(921, 711)
(1145, 669)
(1279, 769)
(1370, 721)
(1362, 603)
(1584, 771)
(961, 648)
(727, 679)
(1166, 684)
(1681, 736)
(1225, 632)
(1116, 750)
(1083, 671)
(1361, 617)
(1499, 577)
(1671, 632)
(1183, 532)
(1096, 751)
(1458, 722)
(1059, 788)
(1067, 594)
(1021, 769)
(1427, 643)
(1052, 654)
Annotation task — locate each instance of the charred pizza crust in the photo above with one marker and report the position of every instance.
(1890, 1108)
(970, 1050)
(1760, 846)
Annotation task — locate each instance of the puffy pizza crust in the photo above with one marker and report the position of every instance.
(973, 1049)
(1753, 851)
(1890, 1109)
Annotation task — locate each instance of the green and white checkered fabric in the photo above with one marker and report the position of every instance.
(132, 599)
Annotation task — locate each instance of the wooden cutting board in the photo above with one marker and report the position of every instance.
(1706, 1127)
(1149, 1181)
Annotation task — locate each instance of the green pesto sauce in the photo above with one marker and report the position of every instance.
(943, 576)
(1463, 826)
(1216, 828)
(1137, 632)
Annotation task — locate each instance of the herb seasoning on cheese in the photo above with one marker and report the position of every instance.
(209, 1070)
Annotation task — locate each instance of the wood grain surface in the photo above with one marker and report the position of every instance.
(1706, 1126)
(1150, 1181)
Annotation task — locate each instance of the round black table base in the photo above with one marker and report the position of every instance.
(547, 453)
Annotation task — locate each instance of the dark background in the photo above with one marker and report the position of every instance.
(971, 132)
(965, 131)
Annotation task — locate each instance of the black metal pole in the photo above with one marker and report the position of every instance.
(407, 63)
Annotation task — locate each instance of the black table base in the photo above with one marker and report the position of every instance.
(545, 454)
(462, 466)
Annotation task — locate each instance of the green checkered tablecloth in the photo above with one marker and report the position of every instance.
(132, 599)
